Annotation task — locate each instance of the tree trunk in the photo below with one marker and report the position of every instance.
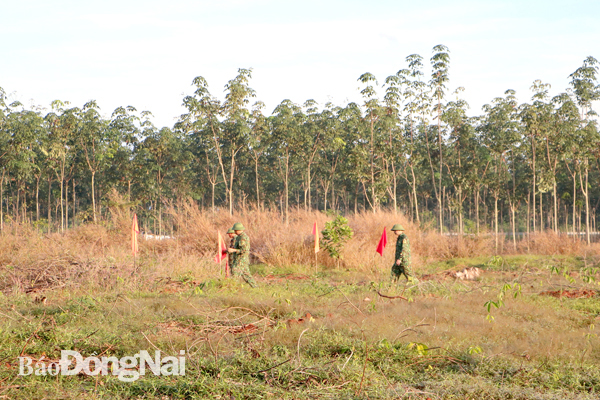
(496, 218)
(414, 191)
(533, 203)
(257, 189)
(325, 190)
(356, 199)
(67, 205)
(585, 191)
(395, 197)
(528, 220)
(287, 172)
(37, 198)
(375, 202)
(555, 206)
(74, 205)
(49, 203)
(62, 207)
(514, 231)
(213, 196)
(574, 200)
(542, 227)
(231, 182)
(477, 209)
(17, 203)
(2, 201)
(93, 196)
(332, 205)
(441, 164)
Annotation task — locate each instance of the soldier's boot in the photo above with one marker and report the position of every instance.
(249, 280)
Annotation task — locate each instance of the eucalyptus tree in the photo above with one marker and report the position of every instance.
(536, 118)
(204, 118)
(4, 150)
(501, 134)
(332, 147)
(99, 140)
(236, 121)
(23, 128)
(286, 138)
(310, 142)
(373, 112)
(228, 122)
(62, 127)
(205, 150)
(409, 79)
(347, 152)
(124, 134)
(584, 82)
(459, 164)
(439, 76)
(566, 122)
(257, 143)
(164, 157)
(392, 126)
(421, 103)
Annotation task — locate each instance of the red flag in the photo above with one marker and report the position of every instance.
(221, 250)
(316, 233)
(134, 231)
(382, 243)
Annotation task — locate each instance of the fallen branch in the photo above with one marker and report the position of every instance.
(352, 304)
(410, 328)
(300, 337)
(391, 297)
(274, 366)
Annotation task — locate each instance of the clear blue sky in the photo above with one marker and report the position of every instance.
(146, 53)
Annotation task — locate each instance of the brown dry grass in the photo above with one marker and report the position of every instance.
(100, 253)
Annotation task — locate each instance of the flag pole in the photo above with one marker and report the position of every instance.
(220, 255)
(317, 248)
(134, 246)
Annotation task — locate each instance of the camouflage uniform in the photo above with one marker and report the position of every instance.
(231, 256)
(241, 261)
(402, 254)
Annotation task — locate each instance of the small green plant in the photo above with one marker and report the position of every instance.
(564, 272)
(495, 262)
(516, 288)
(421, 348)
(588, 274)
(335, 236)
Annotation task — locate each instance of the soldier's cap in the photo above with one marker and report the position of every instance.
(397, 227)
(238, 226)
(230, 230)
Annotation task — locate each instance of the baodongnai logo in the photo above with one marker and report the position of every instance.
(127, 369)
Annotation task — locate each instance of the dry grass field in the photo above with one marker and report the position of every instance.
(523, 329)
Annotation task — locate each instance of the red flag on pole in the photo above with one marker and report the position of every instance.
(316, 233)
(134, 232)
(382, 243)
(221, 250)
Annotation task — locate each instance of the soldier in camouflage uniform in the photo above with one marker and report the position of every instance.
(241, 249)
(402, 259)
(231, 256)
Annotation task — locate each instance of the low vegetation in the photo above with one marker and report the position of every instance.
(523, 329)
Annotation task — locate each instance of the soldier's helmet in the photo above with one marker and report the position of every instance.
(230, 230)
(397, 227)
(238, 226)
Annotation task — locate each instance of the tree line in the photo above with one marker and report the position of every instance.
(408, 145)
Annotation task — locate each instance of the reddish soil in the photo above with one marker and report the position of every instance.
(571, 294)
(290, 277)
